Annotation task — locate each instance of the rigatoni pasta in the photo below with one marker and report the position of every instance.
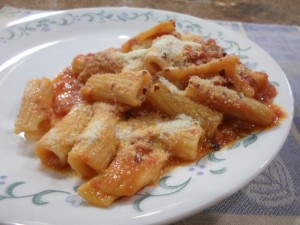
(54, 146)
(36, 115)
(167, 27)
(167, 98)
(97, 145)
(92, 193)
(168, 51)
(102, 62)
(229, 102)
(181, 76)
(138, 163)
(121, 117)
(181, 136)
(127, 88)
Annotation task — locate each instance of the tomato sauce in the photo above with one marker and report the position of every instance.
(66, 92)
(267, 94)
(232, 129)
(210, 50)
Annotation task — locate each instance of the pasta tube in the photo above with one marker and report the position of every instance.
(91, 192)
(36, 115)
(127, 88)
(54, 146)
(80, 62)
(181, 136)
(138, 163)
(141, 158)
(97, 144)
(229, 101)
(154, 63)
(165, 97)
(207, 70)
(133, 169)
(168, 51)
(106, 61)
(167, 27)
(228, 65)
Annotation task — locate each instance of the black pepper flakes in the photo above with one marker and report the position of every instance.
(138, 158)
(164, 56)
(128, 115)
(215, 147)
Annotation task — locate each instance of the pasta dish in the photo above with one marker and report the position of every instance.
(122, 117)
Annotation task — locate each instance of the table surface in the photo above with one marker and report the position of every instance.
(256, 11)
(257, 19)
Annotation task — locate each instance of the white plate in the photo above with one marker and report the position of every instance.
(43, 45)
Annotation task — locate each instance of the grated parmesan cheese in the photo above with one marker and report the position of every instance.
(180, 122)
(123, 132)
(172, 48)
(92, 131)
(133, 60)
(171, 87)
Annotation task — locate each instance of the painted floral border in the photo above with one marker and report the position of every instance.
(102, 16)
(47, 24)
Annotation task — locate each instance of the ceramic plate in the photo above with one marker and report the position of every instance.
(44, 44)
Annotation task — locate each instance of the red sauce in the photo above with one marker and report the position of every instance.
(267, 94)
(66, 92)
(210, 50)
(232, 129)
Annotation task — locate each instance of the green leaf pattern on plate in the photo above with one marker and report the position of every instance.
(101, 16)
(36, 198)
(162, 184)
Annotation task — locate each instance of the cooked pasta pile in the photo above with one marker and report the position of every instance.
(120, 118)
